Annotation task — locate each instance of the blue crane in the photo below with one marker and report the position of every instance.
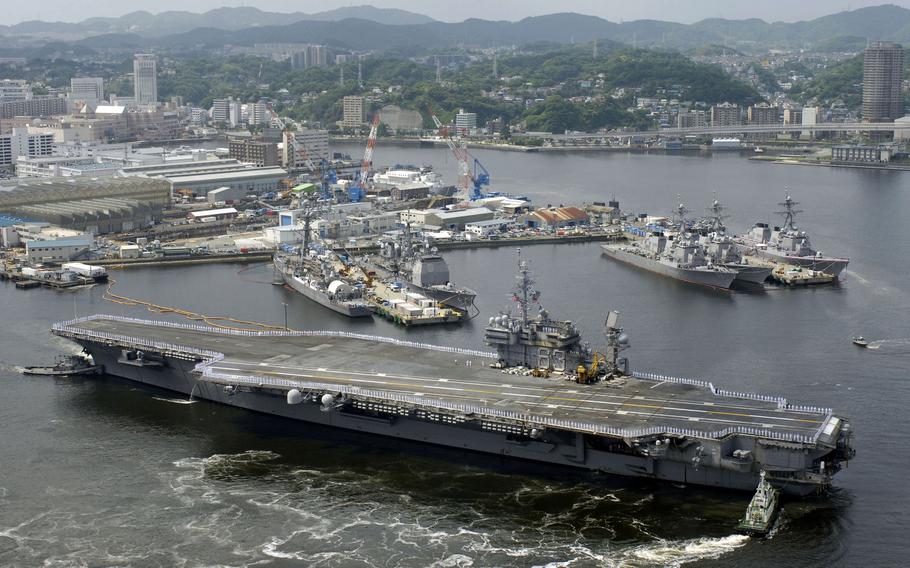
(479, 179)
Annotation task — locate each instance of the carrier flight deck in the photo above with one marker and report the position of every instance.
(543, 395)
(460, 378)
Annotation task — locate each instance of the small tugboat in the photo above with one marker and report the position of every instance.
(66, 366)
(762, 510)
(860, 341)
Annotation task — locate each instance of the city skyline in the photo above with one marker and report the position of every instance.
(513, 10)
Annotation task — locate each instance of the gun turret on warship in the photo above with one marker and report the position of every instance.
(543, 395)
(789, 244)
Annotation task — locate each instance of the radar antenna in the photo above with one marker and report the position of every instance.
(717, 217)
(790, 212)
(680, 214)
(616, 342)
(524, 294)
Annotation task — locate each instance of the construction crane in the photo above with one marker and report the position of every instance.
(471, 184)
(358, 190)
(290, 141)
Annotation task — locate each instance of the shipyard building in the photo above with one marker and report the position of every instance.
(95, 206)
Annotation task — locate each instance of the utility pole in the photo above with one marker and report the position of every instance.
(285, 304)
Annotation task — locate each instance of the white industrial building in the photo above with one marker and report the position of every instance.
(45, 243)
(487, 228)
(249, 180)
(21, 143)
(443, 219)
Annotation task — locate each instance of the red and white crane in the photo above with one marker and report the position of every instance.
(460, 151)
(359, 190)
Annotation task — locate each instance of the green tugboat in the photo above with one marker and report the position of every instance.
(762, 510)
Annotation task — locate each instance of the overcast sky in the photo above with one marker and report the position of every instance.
(686, 11)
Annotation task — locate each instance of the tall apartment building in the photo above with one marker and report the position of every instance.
(258, 114)
(88, 89)
(309, 56)
(883, 64)
(261, 154)
(145, 79)
(726, 114)
(227, 112)
(465, 122)
(14, 90)
(354, 112)
(763, 114)
(692, 119)
(21, 143)
(311, 143)
(793, 115)
(40, 105)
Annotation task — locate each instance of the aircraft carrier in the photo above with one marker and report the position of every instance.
(543, 395)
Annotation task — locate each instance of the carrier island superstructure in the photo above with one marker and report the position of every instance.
(543, 395)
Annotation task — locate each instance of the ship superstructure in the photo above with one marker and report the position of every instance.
(320, 279)
(680, 255)
(422, 269)
(723, 250)
(789, 244)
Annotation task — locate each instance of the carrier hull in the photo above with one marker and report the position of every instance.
(255, 382)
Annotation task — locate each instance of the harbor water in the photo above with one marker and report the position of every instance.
(102, 472)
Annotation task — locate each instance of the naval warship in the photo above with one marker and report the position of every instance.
(422, 269)
(680, 256)
(317, 279)
(543, 395)
(789, 244)
(723, 250)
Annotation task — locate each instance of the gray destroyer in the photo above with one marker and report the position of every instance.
(316, 280)
(543, 395)
(680, 256)
(789, 244)
(723, 250)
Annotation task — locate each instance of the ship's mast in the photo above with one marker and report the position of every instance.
(717, 216)
(680, 213)
(789, 213)
(524, 295)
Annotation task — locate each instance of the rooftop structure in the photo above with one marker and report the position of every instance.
(93, 205)
(251, 180)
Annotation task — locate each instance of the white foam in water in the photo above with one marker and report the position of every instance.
(670, 553)
(175, 400)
